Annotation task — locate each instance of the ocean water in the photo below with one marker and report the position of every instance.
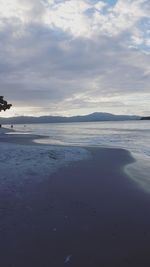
(131, 135)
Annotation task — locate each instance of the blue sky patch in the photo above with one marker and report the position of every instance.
(109, 2)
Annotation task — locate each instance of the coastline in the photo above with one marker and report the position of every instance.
(22, 160)
(86, 214)
(139, 172)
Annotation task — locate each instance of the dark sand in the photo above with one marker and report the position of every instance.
(9, 136)
(89, 211)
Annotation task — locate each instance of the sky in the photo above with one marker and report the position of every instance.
(75, 56)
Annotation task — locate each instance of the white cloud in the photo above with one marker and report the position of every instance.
(58, 56)
(72, 16)
(69, 16)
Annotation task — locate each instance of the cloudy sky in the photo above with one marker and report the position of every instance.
(75, 56)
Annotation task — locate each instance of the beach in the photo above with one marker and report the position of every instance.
(81, 210)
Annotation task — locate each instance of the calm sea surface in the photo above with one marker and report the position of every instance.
(131, 135)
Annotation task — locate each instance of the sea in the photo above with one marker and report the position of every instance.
(131, 135)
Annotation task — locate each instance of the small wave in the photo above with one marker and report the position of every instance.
(139, 171)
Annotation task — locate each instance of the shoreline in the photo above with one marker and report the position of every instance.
(139, 172)
(88, 213)
(8, 136)
(133, 169)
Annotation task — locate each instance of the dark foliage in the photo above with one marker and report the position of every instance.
(3, 104)
(145, 118)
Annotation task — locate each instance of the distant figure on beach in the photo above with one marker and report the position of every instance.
(3, 104)
(12, 126)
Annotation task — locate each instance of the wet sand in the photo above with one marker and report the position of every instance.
(9, 136)
(87, 214)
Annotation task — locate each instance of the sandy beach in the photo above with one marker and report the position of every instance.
(87, 212)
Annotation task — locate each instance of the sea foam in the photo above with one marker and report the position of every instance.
(21, 163)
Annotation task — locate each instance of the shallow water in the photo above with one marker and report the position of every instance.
(131, 135)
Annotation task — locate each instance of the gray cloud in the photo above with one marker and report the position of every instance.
(43, 66)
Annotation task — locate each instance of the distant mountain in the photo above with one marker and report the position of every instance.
(145, 118)
(97, 116)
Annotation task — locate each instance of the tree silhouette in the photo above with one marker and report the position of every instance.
(3, 104)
